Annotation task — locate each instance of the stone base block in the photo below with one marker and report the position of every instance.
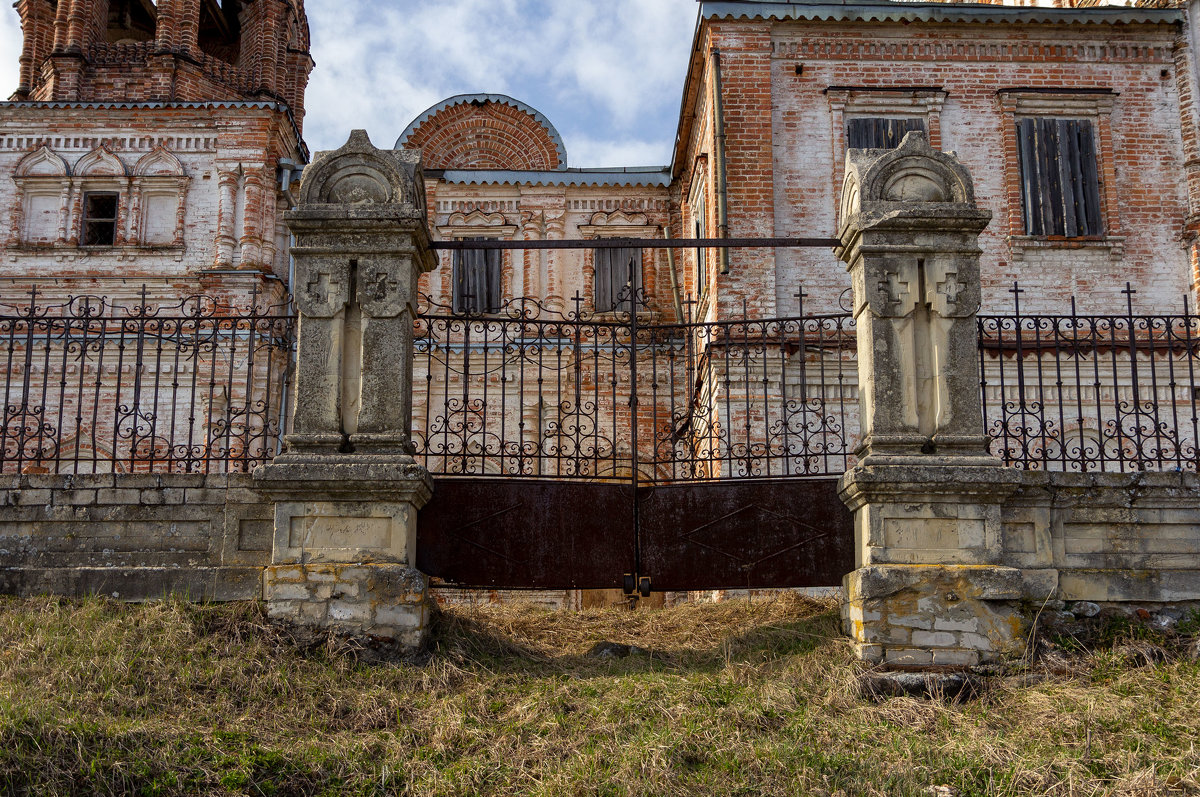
(919, 616)
(386, 601)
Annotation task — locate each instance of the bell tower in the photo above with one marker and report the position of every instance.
(153, 142)
(164, 51)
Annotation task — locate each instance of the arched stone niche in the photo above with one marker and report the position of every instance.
(907, 177)
(360, 174)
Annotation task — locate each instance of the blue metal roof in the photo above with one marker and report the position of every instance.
(502, 99)
(886, 11)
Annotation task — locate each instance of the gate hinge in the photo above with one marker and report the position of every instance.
(635, 583)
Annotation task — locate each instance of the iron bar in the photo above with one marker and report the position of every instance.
(1091, 393)
(638, 243)
(622, 399)
(94, 386)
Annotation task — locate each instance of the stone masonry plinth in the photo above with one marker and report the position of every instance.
(345, 534)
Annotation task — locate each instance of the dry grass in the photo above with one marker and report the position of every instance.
(759, 698)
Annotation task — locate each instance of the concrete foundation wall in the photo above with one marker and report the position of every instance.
(134, 537)
(1112, 537)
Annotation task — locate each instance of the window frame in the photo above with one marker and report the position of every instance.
(1044, 176)
(86, 218)
(619, 224)
(607, 254)
(885, 118)
(698, 214)
(1093, 104)
(476, 224)
(850, 102)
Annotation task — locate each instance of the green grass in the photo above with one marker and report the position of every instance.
(173, 698)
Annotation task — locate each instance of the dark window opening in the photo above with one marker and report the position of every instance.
(877, 132)
(99, 219)
(131, 21)
(476, 280)
(618, 278)
(220, 29)
(1060, 186)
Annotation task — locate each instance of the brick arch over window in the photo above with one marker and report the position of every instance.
(485, 131)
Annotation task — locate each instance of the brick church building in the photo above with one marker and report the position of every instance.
(151, 150)
(157, 143)
(1077, 123)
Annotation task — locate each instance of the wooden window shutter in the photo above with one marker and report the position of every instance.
(476, 280)
(1060, 185)
(618, 275)
(877, 132)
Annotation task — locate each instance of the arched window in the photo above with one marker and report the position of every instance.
(43, 180)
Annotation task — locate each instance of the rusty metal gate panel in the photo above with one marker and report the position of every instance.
(527, 534)
(745, 534)
(573, 449)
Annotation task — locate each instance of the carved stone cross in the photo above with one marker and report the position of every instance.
(381, 284)
(894, 289)
(950, 287)
(322, 286)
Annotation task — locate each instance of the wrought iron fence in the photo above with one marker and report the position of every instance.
(1092, 392)
(533, 392)
(94, 386)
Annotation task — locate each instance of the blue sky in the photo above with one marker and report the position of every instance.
(608, 75)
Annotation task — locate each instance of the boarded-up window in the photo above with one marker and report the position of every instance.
(41, 219)
(99, 219)
(618, 278)
(1060, 187)
(158, 218)
(477, 280)
(876, 132)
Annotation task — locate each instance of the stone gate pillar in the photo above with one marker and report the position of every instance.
(347, 490)
(926, 497)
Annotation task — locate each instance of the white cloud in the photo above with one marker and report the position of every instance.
(607, 75)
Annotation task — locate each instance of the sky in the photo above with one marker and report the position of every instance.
(608, 75)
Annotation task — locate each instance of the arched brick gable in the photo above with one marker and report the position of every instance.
(485, 131)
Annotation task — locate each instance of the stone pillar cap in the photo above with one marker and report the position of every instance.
(913, 174)
(364, 178)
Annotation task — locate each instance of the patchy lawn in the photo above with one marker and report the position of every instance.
(761, 698)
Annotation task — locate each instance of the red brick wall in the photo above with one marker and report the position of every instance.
(745, 63)
(784, 146)
(493, 135)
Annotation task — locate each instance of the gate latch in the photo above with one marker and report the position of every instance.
(639, 584)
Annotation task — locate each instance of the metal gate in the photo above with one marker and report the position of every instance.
(601, 451)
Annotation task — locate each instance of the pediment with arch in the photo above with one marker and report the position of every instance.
(100, 162)
(617, 217)
(43, 162)
(477, 222)
(914, 172)
(358, 173)
(618, 224)
(159, 162)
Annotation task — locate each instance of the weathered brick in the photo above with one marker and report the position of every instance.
(955, 658)
(118, 496)
(936, 639)
(33, 497)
